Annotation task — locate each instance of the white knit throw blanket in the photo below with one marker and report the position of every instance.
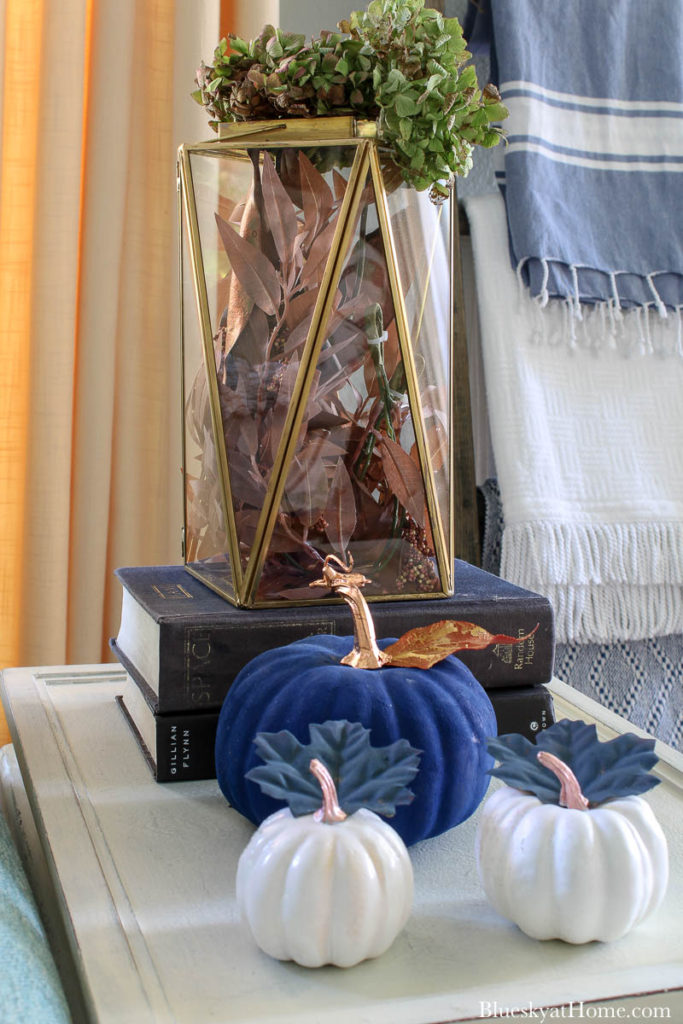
(589, 456)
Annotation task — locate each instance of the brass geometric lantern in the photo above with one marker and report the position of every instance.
(317, 365)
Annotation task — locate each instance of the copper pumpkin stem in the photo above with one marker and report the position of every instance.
(570, 791)
(342, 581)
(330, 812)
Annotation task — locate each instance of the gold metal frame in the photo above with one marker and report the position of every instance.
(366, 166)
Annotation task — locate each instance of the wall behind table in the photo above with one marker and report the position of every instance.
(306, 16)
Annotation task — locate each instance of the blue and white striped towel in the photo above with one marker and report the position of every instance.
(593, 170)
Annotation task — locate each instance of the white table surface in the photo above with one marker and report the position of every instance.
(137, 883)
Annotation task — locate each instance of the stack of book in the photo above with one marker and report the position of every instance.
(182, 645)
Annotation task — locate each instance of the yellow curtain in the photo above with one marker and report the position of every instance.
(95, 100)
(21, 100)
(125, 343)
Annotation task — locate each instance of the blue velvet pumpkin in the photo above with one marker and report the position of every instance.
(443, 711)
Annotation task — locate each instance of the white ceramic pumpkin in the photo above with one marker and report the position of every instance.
(325, 888)
(569, 870)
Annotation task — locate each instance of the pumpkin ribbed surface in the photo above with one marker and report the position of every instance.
(571, 874)
(325, 894)
(443, 711)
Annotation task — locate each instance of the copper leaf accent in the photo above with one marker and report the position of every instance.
(340, 512)
(252, 342)
(404, 478)
(231, 294)
(280, 212)
(246, 484)
(339, 182)
(318, 254)
(255, 272)
(301, 308)
(317, 196)
(290, 175)
(280, 539)
(282, 405)
(426, 645)
(306, 490)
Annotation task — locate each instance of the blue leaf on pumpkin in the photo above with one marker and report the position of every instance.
(365, 776)
(605, 770)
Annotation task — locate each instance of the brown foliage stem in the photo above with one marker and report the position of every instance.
(300, 541)
(385, 412)
(278, 326)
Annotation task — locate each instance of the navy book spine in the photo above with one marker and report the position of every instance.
(185, 743)
(204, 641)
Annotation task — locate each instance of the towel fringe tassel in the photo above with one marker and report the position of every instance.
(626, 578)
(661, 308)
(607, 324)
(603, 326)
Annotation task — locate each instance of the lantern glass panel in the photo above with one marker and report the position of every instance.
(421, 236)
(205, 535)
(355, 485)
(317, 294)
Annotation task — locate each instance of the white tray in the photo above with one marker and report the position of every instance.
(139, 877)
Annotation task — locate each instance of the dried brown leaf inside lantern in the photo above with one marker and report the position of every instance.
(325, 415)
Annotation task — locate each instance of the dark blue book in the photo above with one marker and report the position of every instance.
(188, 644)
(180, 747)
